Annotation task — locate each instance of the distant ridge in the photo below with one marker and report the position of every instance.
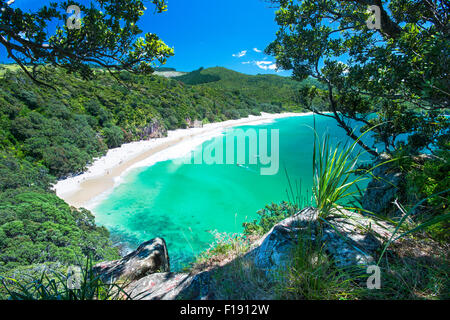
(198, 77)
(269, 88)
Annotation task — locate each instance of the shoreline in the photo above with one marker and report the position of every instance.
(105, 173)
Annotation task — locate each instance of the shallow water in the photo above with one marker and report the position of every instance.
(183, 203)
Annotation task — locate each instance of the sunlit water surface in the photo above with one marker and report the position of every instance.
(184, 203)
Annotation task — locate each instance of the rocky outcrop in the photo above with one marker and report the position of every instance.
(350, 239)
(148, 258)
(153, 130)
(145, 275)
(383, 189)
(272, 251)
(194, 124)
(171, 286)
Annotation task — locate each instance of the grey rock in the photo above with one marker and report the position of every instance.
(383, 189)
(152, 130)
(171, 286)
(194, 124)
(148, 258)
(272, 251)
(350, 240)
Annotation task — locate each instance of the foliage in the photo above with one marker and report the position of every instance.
(224, 247)
(64, 130)
(269, 216)
(15, 173)
(412, 270)
(108, 36)
(232, 273)
(196, 77)
(114, 136)
(54, 285)
(394, 77)
(311, 275)
(432, 222)
(334, 169)
(36, 226)
(428, 179)
(47, 134)
(271, 89)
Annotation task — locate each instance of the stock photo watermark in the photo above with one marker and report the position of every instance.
(74, 21)
(74, 278)
(241, 148)
(374, 280)
(374, 21)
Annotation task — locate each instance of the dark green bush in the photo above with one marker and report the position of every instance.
(114, 136)
(268, 217)
(431, 179)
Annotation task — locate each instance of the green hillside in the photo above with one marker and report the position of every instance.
(267, 88)
(50, 133)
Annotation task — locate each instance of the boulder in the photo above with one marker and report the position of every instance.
(383, 189)
(349, 238)
(154, 129)
(171, 286)
(272, 251)
(194, 124)
(150, 257)
(352, 239)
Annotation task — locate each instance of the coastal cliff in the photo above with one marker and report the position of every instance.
(351, 242)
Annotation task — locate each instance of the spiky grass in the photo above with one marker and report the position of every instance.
(312, 275)
(54, 285)
(336, 175)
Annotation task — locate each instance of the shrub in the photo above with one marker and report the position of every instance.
(311, 275)
(269, 216)
(56, 285)
(114, 136)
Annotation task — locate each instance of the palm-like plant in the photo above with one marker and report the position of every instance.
(333, 172)
(55, 285)
(336, 174)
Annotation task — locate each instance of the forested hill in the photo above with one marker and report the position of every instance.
(269, 88)
(48, 133)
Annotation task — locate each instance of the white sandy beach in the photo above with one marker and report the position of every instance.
(85, 190)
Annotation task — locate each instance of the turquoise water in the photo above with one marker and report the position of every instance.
(184, 203)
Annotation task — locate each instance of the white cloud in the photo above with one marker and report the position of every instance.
(263, 64)
(266, 65)
(240, 54)
(257, 50)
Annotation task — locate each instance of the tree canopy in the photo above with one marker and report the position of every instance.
(399, 71)
(108, 36)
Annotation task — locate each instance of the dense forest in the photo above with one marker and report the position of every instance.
(48, 133)
(267, 88)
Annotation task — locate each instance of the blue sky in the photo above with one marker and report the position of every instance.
(209, 33)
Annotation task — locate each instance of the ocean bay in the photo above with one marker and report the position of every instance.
(186, 203)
